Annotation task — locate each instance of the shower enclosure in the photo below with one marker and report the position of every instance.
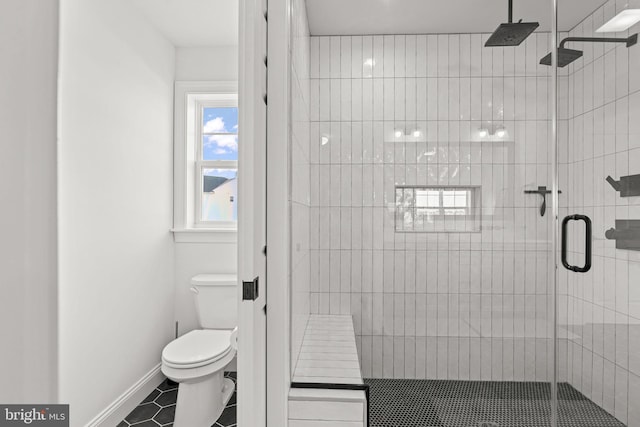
(472, 206)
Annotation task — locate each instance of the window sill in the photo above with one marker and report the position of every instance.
(204, 235)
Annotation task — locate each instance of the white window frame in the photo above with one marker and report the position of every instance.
(190, 99)
(223, 101)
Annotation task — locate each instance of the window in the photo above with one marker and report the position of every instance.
(437, 209)
(205, 161)
(217, 164)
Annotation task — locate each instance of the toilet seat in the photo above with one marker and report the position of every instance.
(197, 348)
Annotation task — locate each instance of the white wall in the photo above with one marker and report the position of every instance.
(196, 258)
(600, 136)
(115, 202)
(202, 64)
(432, 305)
(28, 254)
(207, 63)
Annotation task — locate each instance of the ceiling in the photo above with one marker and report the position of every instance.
(194, 23)
(349, 17)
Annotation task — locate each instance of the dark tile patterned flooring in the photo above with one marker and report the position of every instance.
(428, 403)
(158, 409)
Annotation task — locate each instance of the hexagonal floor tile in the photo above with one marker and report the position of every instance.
(142, 413)
(158, 408)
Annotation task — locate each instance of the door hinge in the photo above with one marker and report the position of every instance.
(264, 250)
(250, 290)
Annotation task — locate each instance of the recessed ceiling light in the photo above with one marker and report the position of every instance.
(324, 140)
(398, 133)
(416, 133)
(483, 133)
(621, 22)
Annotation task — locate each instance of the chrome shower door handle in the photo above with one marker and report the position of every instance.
(587, 246)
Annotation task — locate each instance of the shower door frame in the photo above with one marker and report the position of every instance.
(554, 208)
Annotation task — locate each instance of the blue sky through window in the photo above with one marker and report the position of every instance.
(220, 128)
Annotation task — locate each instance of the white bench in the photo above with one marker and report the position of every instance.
(326, 368)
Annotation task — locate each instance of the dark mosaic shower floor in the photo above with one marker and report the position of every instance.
(427, 403)
(158, 409)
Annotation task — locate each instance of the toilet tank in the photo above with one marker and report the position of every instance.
(216, 298)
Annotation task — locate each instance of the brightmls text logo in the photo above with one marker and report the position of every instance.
(34, 415)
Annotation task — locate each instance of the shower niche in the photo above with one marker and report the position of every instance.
(437, 209)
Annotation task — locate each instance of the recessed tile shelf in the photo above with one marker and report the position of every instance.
(437, 209)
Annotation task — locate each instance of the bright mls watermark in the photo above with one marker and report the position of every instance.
(34, 415)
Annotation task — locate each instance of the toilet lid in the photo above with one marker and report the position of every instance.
(198, 347)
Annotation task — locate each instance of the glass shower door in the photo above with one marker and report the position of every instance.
(598, 166)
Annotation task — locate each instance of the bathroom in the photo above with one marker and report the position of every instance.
(429, 227)
(101, 283)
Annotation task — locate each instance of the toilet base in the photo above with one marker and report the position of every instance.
(200, 403)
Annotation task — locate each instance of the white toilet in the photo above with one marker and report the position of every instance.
(196, 360)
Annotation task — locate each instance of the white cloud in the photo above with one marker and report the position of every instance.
(223, 141)
(215, 125)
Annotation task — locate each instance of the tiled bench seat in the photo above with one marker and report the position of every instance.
(328, 356)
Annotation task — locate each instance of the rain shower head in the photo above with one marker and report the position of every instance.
(567, 56)
(511, 34)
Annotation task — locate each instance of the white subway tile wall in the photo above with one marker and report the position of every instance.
(407, 110)
(299, 190)
(600, 136)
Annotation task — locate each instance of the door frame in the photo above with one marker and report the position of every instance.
(251, 229)
(277, 178)
(278, 213)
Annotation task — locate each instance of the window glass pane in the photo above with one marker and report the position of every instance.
(219, 195)
(219, 130)
(220, 120)
(220, 147)
(448, 198)
(461, 199)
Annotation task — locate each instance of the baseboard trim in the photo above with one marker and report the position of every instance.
(127, 401)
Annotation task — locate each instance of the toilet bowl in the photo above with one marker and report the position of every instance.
(196, 361)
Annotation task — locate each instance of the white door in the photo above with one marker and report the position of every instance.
(252, 214)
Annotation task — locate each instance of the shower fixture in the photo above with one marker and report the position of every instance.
(511, 33)
(626, 234)
(543, 191)
(628, 186)
(567, 56)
